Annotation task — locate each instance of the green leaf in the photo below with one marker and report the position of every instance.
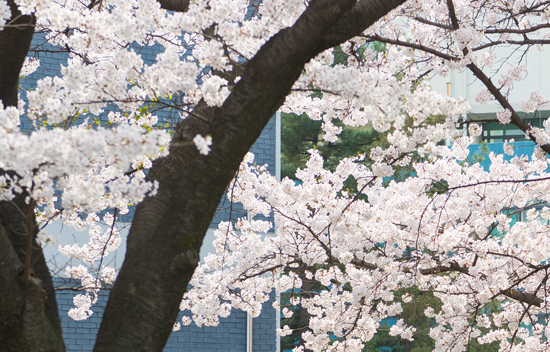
(438, 187)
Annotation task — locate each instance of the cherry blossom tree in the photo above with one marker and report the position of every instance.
(449, 229)
(65, 168)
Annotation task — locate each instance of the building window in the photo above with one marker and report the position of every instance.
(495, 132)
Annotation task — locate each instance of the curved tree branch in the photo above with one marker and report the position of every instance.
(354, 22)
(168, 229)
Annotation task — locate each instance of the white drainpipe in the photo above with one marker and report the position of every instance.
(278, 175)
(249, 332)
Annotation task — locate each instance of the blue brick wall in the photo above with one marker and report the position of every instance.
(228, 336)
(264, 328)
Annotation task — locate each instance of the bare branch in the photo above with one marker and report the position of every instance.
(452, 267)
(524, 297)
(421, 47)
(517, 31)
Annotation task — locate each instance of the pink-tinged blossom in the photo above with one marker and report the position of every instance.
(536, 101)
(504, 116)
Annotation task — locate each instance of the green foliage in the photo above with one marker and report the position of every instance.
(340, 57)
(413, 314)
(290, 341)
(439, 187)
(300, 134)
(300, 318)
(480, 155)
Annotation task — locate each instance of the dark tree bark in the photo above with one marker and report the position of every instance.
(29, 318)
(168, 229)
(15, 40)
(174, 5)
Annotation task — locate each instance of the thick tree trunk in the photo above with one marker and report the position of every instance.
(29, 318)
(15, 40)
(168, 229)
